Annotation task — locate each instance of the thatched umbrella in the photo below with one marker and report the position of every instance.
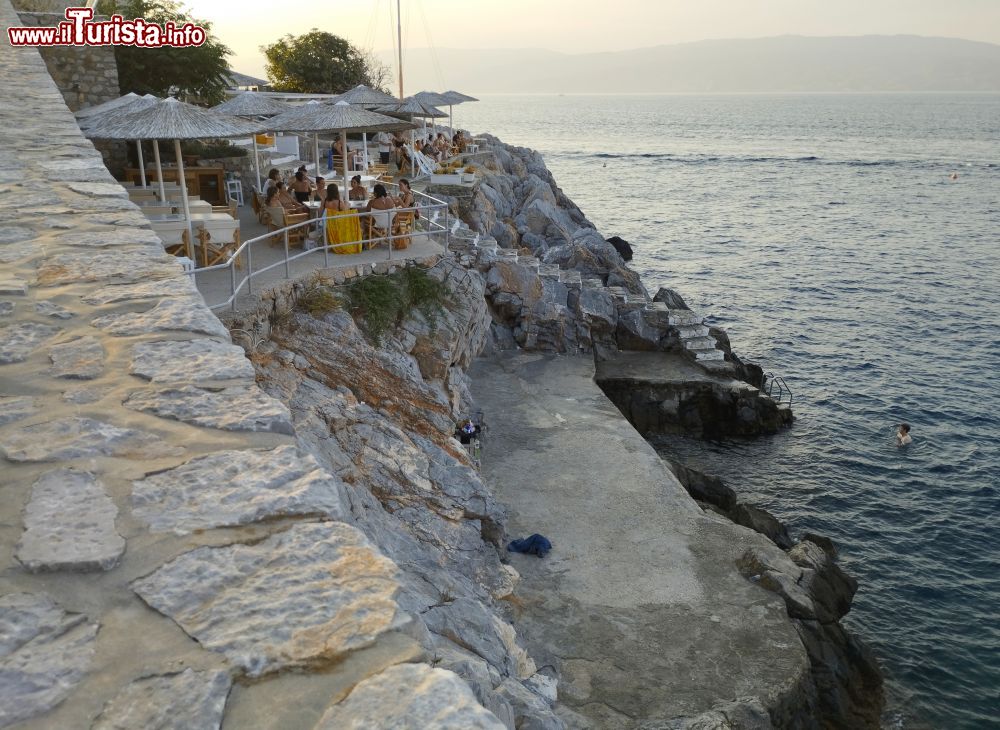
(253, 105)
(362, 95)
(172, 119)
(340, 117)
(369, 98)
(455, 98)
(122, 105)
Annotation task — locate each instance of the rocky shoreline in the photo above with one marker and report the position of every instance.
(530, 272)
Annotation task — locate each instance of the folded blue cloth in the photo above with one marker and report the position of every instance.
(533, 545)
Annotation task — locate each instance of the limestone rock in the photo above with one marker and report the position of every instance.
(471, 625)
(18, 341)
(44, 653)
(85, 394)
(743, 714)
(622, 247)
(305, 596)
(69, 524)
(762, 521)
(82, 358)
(175, 288)
(190, 361)
(113, 190)
(239, 408)
(531, 712)
(10, 286)
(235, 488)
(141, 264)
(76, 438)
(181, 701)
(6, 309)
(410, 697)
(51, 309)
(14, 408)
(671, 298)
(169, 315)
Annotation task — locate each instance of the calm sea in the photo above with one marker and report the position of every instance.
(825, 234)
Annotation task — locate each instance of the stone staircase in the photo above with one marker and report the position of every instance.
(694, 335)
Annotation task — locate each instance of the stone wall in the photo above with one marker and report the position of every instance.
(168, 553)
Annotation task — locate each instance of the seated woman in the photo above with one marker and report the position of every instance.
(357, 191)
(286, 200)
(338, 147)
(320, 192)
(381, 201)
(405, 197)
(401, 157)
(301, 186)
(343, 231)
(273, 176)
(459, 142)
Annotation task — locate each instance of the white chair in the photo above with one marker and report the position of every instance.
(234, 188)
(380, 225)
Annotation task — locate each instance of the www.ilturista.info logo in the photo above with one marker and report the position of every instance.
(81, 30)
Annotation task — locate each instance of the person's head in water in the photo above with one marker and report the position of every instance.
(903, 434)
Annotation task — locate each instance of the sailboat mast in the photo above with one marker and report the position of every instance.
(399, 46)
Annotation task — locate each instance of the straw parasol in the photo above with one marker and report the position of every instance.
(122, 105)
(455, 98)
(252, 105)
(171, 119)
(340, 117)
(362, 95)
(412, 108)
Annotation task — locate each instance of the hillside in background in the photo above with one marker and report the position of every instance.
(782, 64)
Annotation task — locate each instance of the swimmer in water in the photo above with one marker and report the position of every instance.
(903, 435)
(953, 176)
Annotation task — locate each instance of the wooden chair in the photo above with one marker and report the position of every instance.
(257, 204)
(379, 223)
(232, 209)
(216, 250)
(402, 226)
(299, 234)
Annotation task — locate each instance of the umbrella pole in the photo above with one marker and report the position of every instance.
(142, 165)
(184, 198)
(159, 170)
(364, 149)
(256, 163)
(316, 151)
(451, 121)
(343, 144)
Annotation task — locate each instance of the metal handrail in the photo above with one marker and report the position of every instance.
(771, 381)
(237, 286)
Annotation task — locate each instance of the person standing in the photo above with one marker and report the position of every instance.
(384, 147)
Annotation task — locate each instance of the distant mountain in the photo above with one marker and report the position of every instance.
(781, 64)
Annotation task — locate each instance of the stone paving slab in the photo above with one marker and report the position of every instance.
(190, 361)
(76, 438)
(236, 488)
(303, 597)
(69, 524)
(239, 408)
(186, 700)
(44, 654)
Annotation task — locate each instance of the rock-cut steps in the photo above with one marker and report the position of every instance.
(694, 334)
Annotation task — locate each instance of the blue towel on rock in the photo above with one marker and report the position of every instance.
(534, 545)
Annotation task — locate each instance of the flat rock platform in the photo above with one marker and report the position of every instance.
(639, 607)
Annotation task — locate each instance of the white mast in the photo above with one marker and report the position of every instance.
(399, 46)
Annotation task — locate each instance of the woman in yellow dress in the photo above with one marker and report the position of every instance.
(341, 226)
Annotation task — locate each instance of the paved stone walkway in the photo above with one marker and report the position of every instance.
(162, 537)
(641, 592)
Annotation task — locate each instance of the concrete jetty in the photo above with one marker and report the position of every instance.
(639, 607)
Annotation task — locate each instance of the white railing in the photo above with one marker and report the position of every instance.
(433, 219)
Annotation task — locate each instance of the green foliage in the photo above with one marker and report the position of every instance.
(318, 62)
(318, 297)
(384, 301)
(212, 150)
(197, 73)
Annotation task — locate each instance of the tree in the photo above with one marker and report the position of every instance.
(194, 73)
(320, 63)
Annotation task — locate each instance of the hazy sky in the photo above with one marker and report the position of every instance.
(584, 25)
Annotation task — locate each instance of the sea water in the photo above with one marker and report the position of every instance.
(851, 245)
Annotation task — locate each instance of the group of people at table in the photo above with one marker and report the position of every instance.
(342, 226)
(393, 150)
